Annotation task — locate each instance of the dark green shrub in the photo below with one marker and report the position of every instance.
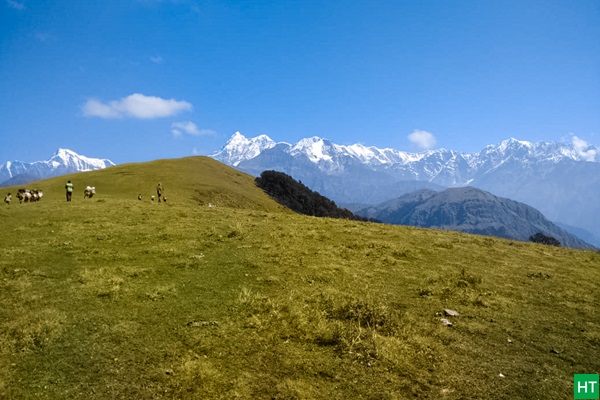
(543, 239)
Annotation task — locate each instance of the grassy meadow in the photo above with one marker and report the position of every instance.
(115, 298)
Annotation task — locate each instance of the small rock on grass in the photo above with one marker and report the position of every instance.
(450, 313)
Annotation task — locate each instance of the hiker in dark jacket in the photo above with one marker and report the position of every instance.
(159, 191)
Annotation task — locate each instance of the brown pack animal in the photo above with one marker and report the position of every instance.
(89, 192)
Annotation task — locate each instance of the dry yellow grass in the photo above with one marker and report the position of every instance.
(119, 298)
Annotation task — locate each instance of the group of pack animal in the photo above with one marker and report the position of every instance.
(26, 196)
(33, 195)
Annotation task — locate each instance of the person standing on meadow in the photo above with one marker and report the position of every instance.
(159, 191)
(69, 188)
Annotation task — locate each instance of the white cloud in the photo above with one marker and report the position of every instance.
(184, 127)
(135, 106)
(179, 128)
(18, 5)
(423, 139)
(157, 59)
(583, 149)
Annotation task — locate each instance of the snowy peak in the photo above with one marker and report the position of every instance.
(239, 148)
(64, 161)
(514, 144)
(315, 148)
(66, 157)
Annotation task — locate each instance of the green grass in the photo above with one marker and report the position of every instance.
(116, 298)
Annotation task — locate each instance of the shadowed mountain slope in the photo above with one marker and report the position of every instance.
(299, 198)
(470, 210)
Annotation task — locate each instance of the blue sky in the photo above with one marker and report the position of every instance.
(136, 80)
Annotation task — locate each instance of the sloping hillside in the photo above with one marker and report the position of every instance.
(191, 180)
(118, 298)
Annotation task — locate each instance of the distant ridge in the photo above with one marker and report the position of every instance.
(470, 210)
(63, 162)
(562, 180)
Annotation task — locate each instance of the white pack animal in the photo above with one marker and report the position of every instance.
(36, 195)
(89, 192)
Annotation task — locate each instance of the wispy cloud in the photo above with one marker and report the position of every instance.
(207, 132)
(18, 5)
(157, 59)
(193, 6)
(135, 106)
(44, 37)
(423, 139)
(179, 128)
(583, 149)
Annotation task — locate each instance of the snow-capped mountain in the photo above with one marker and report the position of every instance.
(437, 166)
(562, 180)
(319, 151)
(239, 148)
(64, 161)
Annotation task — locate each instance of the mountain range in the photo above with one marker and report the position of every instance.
(63, 162)
(471, 210)
(562, 180)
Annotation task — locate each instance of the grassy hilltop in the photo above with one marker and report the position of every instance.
(115, 298)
